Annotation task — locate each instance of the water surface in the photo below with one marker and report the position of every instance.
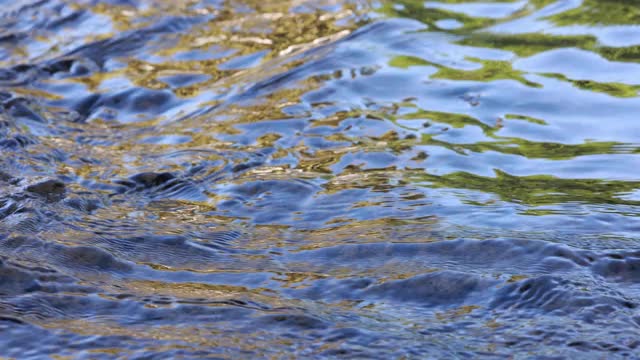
(319, 179)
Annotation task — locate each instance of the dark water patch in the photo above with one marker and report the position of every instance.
(91, 258)
(18, 76)
(14, 281)
(69, 258)
(620, 267)
(291, 322)
(70, 67)
(163, 185)
(440, 288)
(23, 278)
(19, 109)
(84, 204)
(149, 180)
(49, 189)
(502, 255)
(127, 106)
(114, 243)
(17, 142)
(559, 296)
(96, 310)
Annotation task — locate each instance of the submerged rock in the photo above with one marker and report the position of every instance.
(151, 179)
(51, 189)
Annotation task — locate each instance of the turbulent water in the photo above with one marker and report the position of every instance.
(319, 179)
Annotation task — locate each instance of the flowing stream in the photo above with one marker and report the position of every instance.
(280, 179)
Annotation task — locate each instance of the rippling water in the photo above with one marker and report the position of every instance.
(319, 179)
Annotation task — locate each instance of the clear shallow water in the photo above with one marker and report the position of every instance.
(335, 179)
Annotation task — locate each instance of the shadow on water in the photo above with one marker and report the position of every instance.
(319, 179)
